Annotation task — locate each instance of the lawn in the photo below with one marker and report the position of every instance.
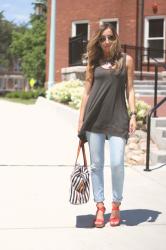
(19, 100)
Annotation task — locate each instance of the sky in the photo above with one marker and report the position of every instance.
(17, 11)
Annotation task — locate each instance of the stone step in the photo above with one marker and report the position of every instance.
(146, 87)
(163, 143)
(160, 140)
(158, 122)
(157, 156)
(151, 87)
(158, 131)
(164, 133)
(149, 92)
(149, 82)
(149, 75)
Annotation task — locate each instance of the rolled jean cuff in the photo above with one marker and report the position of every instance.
(117, 201)
(99, 201)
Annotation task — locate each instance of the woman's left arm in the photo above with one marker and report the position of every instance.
(131, 94)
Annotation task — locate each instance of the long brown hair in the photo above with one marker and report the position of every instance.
(95, 52)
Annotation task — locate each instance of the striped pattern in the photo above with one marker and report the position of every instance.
(80, 185)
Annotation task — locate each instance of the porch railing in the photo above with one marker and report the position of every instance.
(149, 130)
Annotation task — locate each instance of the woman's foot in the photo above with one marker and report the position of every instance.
(99, 221)
(115, 214)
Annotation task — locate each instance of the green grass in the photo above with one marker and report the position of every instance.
(19, 100)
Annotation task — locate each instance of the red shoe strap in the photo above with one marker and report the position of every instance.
(115, 208)
(102, 209)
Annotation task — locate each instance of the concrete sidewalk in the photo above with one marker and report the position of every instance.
(44, 133)
(36, 163)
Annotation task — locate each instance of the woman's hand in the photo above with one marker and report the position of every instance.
(132, 125)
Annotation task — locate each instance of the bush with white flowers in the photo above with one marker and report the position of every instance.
(76, 97)
(68, 92)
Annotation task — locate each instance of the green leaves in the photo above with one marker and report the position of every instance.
(6, 29)
(142, 109)
(29, 46)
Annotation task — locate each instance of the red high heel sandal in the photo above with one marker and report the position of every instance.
(115, 220)
(99, 223)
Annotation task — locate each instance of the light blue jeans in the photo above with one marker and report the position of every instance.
(96, 143)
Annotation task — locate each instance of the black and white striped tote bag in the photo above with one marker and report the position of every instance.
(79, 180)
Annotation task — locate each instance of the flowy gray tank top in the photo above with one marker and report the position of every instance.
(106, 110)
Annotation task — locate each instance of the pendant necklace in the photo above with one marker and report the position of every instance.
(107, 64)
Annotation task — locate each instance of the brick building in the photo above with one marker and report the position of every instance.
(139, 23)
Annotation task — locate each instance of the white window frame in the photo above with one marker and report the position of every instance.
(73, 28)
(146, 32)
(110, 20)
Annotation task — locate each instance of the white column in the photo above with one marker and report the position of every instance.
(51, 70)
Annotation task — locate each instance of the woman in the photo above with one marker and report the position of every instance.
(104, 115)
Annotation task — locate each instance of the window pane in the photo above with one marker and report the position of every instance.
(113, 23)
(156, 27)
(157, 47)
(82, 29)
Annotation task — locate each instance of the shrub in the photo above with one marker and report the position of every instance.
(31, 94)
(26, 95)
(76, 96)
(39, 92)
(142, 109)
(14, 94)
(67, 92)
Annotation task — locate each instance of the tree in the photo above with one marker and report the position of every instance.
(29, 46)
(6, 29)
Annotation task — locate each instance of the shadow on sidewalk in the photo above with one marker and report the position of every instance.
(128, 218)
(85, 221)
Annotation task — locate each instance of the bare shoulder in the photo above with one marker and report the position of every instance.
(129, 61)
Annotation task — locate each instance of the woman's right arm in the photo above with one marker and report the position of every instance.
(87, 89)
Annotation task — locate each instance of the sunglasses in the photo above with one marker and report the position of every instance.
(110, 38)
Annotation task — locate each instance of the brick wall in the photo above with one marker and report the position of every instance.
(161, 8)
(93, 11)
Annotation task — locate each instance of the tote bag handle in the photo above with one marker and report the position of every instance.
(81, 146)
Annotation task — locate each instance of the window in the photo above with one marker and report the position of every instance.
(155, 37)
(80, 28)
(78, 42)
(113, 22)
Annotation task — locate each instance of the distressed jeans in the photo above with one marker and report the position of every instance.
(96, 142)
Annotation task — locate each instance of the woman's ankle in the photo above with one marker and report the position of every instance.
(100, 204)
(116, 204)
